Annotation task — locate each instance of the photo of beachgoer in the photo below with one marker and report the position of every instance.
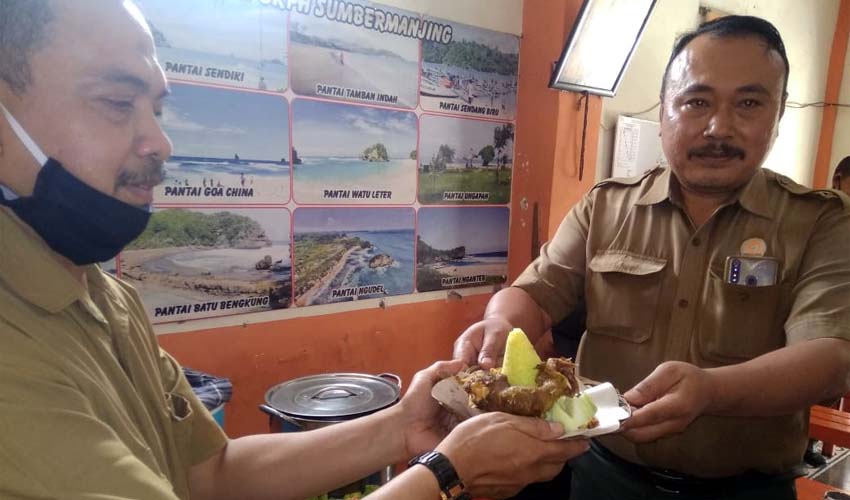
(461, 247)
(475, 74)
(232, 43)
(464, 161)
(196, 263)
(229, 147)
(344, 254)
(344, 62)
(349, 154)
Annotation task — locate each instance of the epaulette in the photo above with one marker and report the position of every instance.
(798, 189)
(627, 181)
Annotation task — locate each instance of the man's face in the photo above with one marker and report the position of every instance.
(720, 112)
(93, 104)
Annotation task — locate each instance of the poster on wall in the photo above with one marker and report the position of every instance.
(229, 147)
(344, 254)
(203, 262)
(474, 74)
(353, 154)
(461, 247)
(233, 43)
(464, 161)
(337, 58)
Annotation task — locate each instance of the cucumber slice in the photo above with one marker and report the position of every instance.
(572, 413)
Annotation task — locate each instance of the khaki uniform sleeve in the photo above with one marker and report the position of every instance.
(52, 445)
(555, 280)
(205, 436)
(821, 304)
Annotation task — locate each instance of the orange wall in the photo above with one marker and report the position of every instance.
(404, 338)
(820, 176)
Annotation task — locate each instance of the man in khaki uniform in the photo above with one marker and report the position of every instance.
(720, 361)
(90, 407)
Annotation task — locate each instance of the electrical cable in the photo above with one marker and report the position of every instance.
(583, 135)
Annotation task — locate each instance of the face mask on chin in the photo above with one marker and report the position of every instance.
(75, 220)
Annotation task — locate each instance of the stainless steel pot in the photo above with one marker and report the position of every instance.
(317, 401)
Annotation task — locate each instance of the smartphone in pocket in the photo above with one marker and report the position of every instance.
(751, 271)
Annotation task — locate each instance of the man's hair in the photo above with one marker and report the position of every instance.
(843, 168)
(23, 31)
(733, 27)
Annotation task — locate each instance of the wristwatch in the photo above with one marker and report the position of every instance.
(451, 487)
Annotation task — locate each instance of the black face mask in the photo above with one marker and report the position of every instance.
(75, 220)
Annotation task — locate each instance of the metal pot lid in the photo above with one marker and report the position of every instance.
(333, 395)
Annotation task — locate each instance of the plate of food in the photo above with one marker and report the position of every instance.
(526, 385)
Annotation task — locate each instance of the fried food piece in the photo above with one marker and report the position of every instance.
(489, 389)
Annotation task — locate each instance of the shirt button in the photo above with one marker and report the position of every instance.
(683, 303)
(695, 242)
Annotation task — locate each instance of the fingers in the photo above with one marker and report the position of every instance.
(658, 383)
(652, 432)
(468, 344)
(534, 427)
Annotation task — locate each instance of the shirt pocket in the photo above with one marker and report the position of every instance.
(738, 322)
(622, 294)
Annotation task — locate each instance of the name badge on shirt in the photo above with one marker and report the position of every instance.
(748, 270)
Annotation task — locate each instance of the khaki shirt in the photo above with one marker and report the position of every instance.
(655, 292)
(90, 407)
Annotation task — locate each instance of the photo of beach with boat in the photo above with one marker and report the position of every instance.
(229, 147)
(344, 62)
(198, 263)
(461, 247)
(232, 43)
(344, 254)
(346, 154)
(464, 161)
(475, 74)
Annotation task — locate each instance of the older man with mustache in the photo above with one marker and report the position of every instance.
(717, 291)
(90, 407)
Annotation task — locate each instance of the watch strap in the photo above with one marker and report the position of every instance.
(451, 486)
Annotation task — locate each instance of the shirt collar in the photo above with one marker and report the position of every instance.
(30, 269)
(658, 191)
(753, 197)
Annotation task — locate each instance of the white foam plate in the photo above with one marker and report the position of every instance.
(612, 408)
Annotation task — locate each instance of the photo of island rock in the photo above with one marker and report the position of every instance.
(344, 254)
(461, 247)
(196, 263)
(347, 154)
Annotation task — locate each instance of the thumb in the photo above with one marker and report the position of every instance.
(492, 350)
(651, 388)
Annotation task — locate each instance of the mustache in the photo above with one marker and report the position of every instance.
(717, 150)
(151, 174)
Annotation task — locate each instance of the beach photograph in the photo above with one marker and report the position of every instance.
(475, 74)
(346, 154)
(198, 263)
(229, 147)
(232, 43)
(349, 63)
(461, 247)
(464, 161)
(344, 254)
